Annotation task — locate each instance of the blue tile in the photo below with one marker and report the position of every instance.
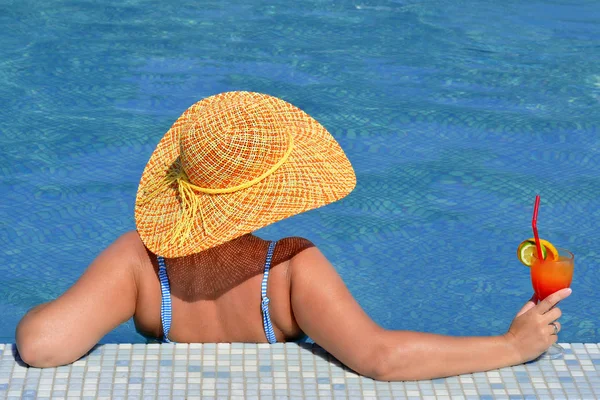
(194, 368)
(4, 386)
(565, 379)
(322, 380)
(122, 363)
(166, 363)
(208, 374)
(571, 362)
(339, 386)
(439, 380)
(96, 351)
(596, 361)
(135, 380)
(515, 397)
(30, 393)
(531, 397)
(523, 379)
(223, 375)
(486, 397)
(265, 368)
(497, 386)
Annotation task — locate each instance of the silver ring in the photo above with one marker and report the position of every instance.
(555, 328)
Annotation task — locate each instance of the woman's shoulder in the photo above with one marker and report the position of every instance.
(130, 238)
(129, 243)
(296, 242)
(129, 248)
(290, 247)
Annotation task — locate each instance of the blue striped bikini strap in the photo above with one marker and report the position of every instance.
(165, 305)
(165, 309)
(268, 325)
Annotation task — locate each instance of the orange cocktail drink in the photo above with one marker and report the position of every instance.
(550, 275)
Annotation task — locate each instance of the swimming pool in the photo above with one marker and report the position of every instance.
(453, 115)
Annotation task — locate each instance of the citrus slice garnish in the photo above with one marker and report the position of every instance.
(526, 251)
(551, 250)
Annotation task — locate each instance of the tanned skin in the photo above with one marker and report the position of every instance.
(216, 298)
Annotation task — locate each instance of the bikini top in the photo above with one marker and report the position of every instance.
(165, 308)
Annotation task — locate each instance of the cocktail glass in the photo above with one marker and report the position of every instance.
(549, 276)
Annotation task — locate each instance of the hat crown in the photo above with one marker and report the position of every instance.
(230, 143)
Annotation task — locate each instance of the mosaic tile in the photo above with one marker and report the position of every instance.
(278, 371)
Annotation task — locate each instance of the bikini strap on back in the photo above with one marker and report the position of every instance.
(268, 325)
(165, 306)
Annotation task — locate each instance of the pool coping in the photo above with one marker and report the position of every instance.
(283, 370)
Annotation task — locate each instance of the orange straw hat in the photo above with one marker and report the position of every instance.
(231, 164)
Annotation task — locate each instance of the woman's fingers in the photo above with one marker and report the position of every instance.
(552, 330)
(529, 305)
(545, 305)
(552, 315)
(535, 327)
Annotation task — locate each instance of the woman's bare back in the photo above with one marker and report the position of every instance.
(215, 294)
(216, 298)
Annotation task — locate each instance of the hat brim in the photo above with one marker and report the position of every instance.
(316, 173)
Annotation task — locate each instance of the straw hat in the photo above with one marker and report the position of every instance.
(231, 164)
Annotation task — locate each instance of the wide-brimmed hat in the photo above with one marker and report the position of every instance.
(231, 164)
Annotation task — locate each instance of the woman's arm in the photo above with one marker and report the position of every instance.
(61, 331)
(326, 311)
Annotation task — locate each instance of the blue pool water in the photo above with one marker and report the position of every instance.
(454, 114)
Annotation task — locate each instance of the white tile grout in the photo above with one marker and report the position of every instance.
(283, 370)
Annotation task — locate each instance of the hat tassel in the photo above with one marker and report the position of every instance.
(190, 203)
(190, 206)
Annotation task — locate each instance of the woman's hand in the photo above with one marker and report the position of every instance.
(532, 331)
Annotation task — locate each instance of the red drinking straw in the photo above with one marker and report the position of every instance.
(534, 226)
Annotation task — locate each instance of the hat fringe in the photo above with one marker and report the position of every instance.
(190, 202)
(190, 206)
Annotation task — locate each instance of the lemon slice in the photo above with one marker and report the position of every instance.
(549, 248)
(526, 251)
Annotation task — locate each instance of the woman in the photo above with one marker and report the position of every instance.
(194, 272)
